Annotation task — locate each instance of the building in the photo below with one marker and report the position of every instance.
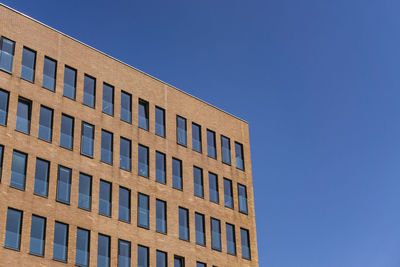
(104, 165)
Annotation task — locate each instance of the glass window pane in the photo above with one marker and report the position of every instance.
(200, 229)
(143, 210)
(42, 177)
(196, 137)
(177, 174)
(198, 182)
(89, 91)
(69, 82)
(67, 132)
(211, 147)
(143, 114)
(200, 264)
(108, 99)
(160, 167)
(7, 54)
(18, 170)
(28, 64)
(213, 183)
(161, 216)
(239, 156)
(226, 150)
(106, 147)
(60, 246)
(82, 247)
(143, 163)
(124, 253)
(103, 251)
(215, 234)
(181, 130)
(124, 204)
(126, 107)
(64, 184)
(125, 154)
(45, 124)
(179, 261)
(230, 239)
(13, 229)
(3, 107)
(23, 122)
(244, 234)
(85, 192)
(242, 194)
(38, 230)
(49, 73)
(143, 256)
(87, 141)
(161, 259)
(183, 224)
(105, 198)
(160, 122)
(228, 195)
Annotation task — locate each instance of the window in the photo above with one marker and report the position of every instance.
(183, 224)
(45, 124)
(230, 239)
(198, 182)
(85, 192)
(13, 229)
(124, 212)
(239, 156)
(143, 163)
(64, 184)
(200, 229)
(126, 107)
(89, 91)
(161, 259)
(179, 261)
(200, 264)
(160, 121)
(228, 195)
(143, 114)
(181, 137)
(28, 64)
(143, 211)
(125, 154)
(87, 140)
(161, 216)
(69, 82)
(60, 245)
(213, 183)
(124, 253)
(67, 132)
(143, 256)
(103, 251)
(108, 99)
(211, 146)
(82, 247)
(242, 194)
(38, 232)
(244, 234)
(177, 174)
(7, 54)
(226, 150)
(160, 167)
(42, 177)
(18, 170)
(23, 122)
(49, 73)
(215, 234)
(106, 147)
(105, 198)
(1, 160)
(3, 107)
(196, 137)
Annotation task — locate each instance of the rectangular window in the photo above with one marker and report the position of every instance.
(215, 234)
(200, 264)
(200, 229)
(87, 140)
(183, 224)
(230, 239)
(160, 121)
(124, 211)
(108, 99)
(244, 234)
(160, 167)
(103, 251)
(18, 170)
(1, 160)
(177, 174)
(126, 107)
(213, 183)
(45, 124)
(49, 73)
(69, 82)
(226, 150)
(85, 192)
(239, 156)
(181, 136)
(28, 64)
(161, 216)
(143, 162)
(143, 211)
(143, 114)
(242, 194)
(211, 146)
(196, 137)
(60, 245)
(89, 91)
(38, 233)
(41, 177)
(67, 132)
(125, 154)
(106, 147)
(228, 194)
(64, 184)
(179, 261)
(143, 256)
(161, 259)
(7, 54)
(82, 247)
(198, 182)
(124, 253)
(4, 95)
(24, 110)
(13, 229)
(105, 198)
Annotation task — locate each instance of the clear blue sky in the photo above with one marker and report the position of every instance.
(319, 83)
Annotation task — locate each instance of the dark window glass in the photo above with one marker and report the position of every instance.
(87, 141)
(143, 256)
(108, 99)
(28, 64)
(82, 247)
(161, 259)
(143, 114)
(211, 147)
(106, 147)
(177, 174)
(125, 154)
(143, 210)
(23, 122)
(183, 224)
(85, 191)
(230, 239)
(89, 91)
(64, 184)
(244, 234)
(7, 54)
(200, 229)
(13, 229)
(198, 182)
(124, 211)
(126, 107)
(213, 183)
(181, 136)
(160, 122)
(69, 82)
(103, 251)
(3, 107)
(160, 167)
(18, 170)
(196, 137)
(124, 253)
(179, 261)
(67, 132)
(242, 194)
(105, 198)
(42, 177)
(49, 73)
(239, 156)
(226, 149)
(38, 232)
(45, 124)
(143, 163)
(1, 160)
(215, 234)
(228, 195)
(161, 216)
(200, 264)
(60, 245)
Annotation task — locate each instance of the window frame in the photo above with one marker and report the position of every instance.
(55, 73)
(34, 64)
(27, 102)
(178, 117)
(155, 122)
(94, 90)
(75, 81)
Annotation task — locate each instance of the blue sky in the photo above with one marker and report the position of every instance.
(319, 83)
